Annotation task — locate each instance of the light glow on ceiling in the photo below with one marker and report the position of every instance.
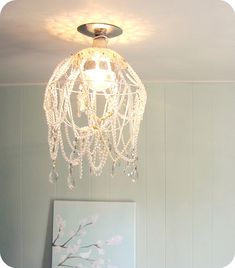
(65, 25)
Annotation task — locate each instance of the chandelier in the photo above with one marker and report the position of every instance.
(94, 103)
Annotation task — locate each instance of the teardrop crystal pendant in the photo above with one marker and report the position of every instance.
(71, 182)
(128, 170)
(134, 174)
(70, 179)
(53, 176)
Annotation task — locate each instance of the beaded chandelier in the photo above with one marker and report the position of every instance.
(94, 103)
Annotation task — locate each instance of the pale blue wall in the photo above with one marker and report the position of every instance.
(185, 195)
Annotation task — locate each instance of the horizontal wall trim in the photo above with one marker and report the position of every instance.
(144, 81)
(15, 84)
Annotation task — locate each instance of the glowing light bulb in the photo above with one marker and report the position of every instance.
(99, 75)
(100, 80)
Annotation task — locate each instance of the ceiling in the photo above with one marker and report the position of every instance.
(184, 40)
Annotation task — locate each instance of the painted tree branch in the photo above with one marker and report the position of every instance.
(57, 237)
(71, 249)
(91, 245)
(64, 245)
(70, 256)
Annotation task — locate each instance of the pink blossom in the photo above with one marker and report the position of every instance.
(116, 240)
(60, 221)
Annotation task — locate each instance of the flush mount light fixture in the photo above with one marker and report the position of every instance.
(94, 103)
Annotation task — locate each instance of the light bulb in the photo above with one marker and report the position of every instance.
(98, 75)
(99, 80)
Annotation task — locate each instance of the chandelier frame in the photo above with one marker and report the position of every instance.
(113, 134)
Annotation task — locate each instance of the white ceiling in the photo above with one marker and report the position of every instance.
(190, 40)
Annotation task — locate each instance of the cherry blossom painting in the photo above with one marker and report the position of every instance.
(90, 234)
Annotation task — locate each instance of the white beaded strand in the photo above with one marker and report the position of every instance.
(112, 135)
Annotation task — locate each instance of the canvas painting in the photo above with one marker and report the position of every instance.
(93, 234)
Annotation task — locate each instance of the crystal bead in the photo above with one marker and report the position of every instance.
(133, 180)
(81, 170)
(53, 176)
(71, 182)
